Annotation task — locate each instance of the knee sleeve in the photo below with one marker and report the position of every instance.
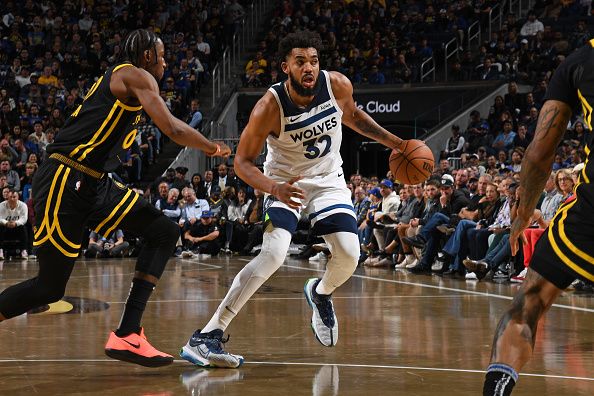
(256, 272)
(345, 253)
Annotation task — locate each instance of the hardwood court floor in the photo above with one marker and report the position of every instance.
(399, 334)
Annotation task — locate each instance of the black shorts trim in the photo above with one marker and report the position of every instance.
(565, 252)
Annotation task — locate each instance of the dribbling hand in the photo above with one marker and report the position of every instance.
(288, 194)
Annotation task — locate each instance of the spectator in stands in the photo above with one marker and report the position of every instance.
(532, 26)
(375, 76)
(237, 214)
(451, 203)
(454, 144)
(47, 78)
(22, 156)
(215, 201)
(27, 180)
(156, 189)
(487, 71)
(13, 216)
(564, 184)
(578, 134)
(193, 208)
(247, 237)
(202, 237)
(222, 180)
(198, 185)
(151, 135)
(428, 207)
(478, 244)
(516, 159)
(41, 138)
(505, 139)
(113, 245)
(170, 206)
(361, 205)
(180, 182)
(456, 248)
(444, 167)
(195, 116)
(12, 177)
(513, 99)
(402, 73)
(461, 181)
(208, 183)
(522, 139)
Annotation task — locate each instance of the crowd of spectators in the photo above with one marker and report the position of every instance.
(385, 41)
(51, 53)
(460, 218)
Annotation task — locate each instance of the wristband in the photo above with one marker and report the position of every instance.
(217, 151)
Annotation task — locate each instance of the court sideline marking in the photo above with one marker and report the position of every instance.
(477, 293)
(368, 366)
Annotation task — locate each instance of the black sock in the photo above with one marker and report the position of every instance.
(140, 292)
(500, 380)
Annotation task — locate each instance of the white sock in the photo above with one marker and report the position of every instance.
(251, 277)
(344, 247)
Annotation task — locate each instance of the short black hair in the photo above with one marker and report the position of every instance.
(302, 39)
(136, 43)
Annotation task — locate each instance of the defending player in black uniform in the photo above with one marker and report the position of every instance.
(72, 191)
(566, 250)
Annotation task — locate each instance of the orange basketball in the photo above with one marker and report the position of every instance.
(413, 164)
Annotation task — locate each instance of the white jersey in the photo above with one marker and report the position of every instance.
(309, 139)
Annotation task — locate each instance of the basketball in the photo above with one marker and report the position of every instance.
(413, 164)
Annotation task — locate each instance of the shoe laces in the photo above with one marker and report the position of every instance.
(324, 305)
(213, 340)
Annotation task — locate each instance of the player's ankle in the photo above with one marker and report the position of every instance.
(499, 380)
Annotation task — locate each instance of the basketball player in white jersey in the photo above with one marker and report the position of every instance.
(300, 121)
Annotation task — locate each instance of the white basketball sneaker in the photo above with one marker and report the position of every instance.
(323, 320)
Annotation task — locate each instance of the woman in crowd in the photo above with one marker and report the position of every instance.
(237, 213)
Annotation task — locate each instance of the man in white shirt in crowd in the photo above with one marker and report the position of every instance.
(13, 216)
(531, 26)
(193, 208)
(390, 204)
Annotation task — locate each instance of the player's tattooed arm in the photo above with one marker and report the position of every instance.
(537, 163)
(357, 119)
(366, 126)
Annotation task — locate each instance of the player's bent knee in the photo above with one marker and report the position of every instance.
(162, 231)
(49, 294)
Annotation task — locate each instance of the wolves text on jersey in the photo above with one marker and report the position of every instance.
(316, 130)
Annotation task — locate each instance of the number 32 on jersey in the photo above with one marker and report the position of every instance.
(313, 147)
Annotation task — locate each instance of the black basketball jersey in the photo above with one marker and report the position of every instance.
(573, 84)
(101, 130)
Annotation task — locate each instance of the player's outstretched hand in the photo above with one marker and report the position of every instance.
(517, 232)
(289, 194)
(222, 150)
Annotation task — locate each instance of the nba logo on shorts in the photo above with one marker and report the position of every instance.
(268, 203)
